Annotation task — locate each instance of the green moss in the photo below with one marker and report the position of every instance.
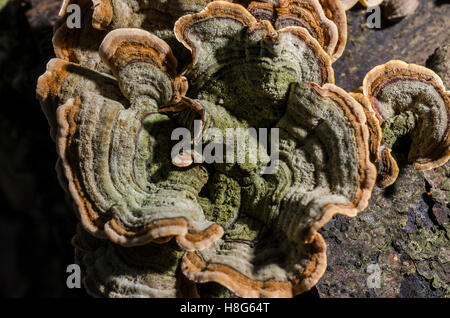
(160, 169)
(223, 201)
(253, 92)
(245, 229)
(398, 126)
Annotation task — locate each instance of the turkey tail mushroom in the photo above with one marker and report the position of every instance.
(409, 100)
(335, 11)
(305, 13)
(348, 4)
(114, 271)
(106, 144)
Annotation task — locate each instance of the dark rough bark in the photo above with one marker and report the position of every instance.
(412, 40)
(36, 223)
(405, 230)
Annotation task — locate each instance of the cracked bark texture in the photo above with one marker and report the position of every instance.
(405, 230)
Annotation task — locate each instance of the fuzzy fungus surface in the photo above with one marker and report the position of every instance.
(411, 101)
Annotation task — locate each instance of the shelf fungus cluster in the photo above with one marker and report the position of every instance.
(157, 225)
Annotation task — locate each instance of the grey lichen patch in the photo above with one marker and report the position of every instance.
(399, 233)
(429, 249)
(425, 243)
(438, 182)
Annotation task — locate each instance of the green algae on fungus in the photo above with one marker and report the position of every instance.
(304, 194)
(399, 125)
(116, 272)
(250, 82)
(253, 233)
(410, 100)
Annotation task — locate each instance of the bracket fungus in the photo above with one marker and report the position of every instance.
(305, 13)
(80, 45)
(114, 271)
(258, 52)
(324, 20)
(348, 4)
(154, 225)
(409, 100)
(280, 253)
(335, 11)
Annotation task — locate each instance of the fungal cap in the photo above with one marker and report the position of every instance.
(48, 88)
(309, 14)
(231, 263)
(373, 124)
(123, 46)
(162, 231)
(197, 269)
(431, 143)
(348, 4)
(216, 9)
(63, 9)
(190, 234)
(103, 14)
(366, 169)
(388, 169)
(335, 11)
(231, 11)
